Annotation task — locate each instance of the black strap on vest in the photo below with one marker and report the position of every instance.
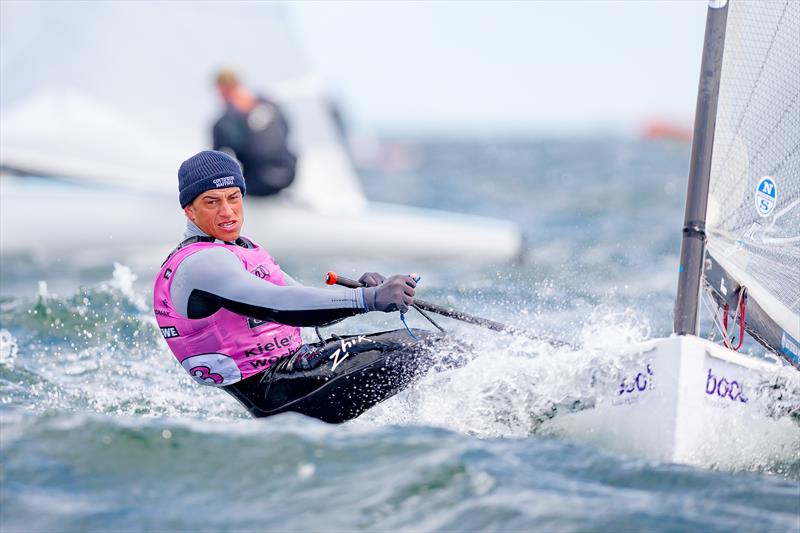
(241, 241)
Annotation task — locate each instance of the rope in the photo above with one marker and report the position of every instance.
(431, 320)
(741, 321)
(416, 278)
(708, 302)
(721, 319)
(739, 314)
(403, 320)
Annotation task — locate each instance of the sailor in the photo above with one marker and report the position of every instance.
(232, 317)
(255, 131)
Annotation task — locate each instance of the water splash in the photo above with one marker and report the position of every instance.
(608, 328)
(8, 349)
(99, 350)
(514, 384)
(122, 281)
(516, 387)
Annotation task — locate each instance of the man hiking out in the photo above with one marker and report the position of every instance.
(232, 317)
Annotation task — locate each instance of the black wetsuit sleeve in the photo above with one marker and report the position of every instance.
(215, 278)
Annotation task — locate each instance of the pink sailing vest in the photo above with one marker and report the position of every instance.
(225, 347)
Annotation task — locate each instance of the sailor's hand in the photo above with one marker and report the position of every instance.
(371, 279)
(396, 293)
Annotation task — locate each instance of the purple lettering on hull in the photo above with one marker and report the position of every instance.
(722, 387)
(639, 383)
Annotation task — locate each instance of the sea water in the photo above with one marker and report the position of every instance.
(100, 429)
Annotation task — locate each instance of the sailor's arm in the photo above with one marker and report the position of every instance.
(215, 278)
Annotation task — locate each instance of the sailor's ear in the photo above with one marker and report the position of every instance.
(189, 210)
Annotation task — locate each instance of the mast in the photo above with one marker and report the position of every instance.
(694, 221)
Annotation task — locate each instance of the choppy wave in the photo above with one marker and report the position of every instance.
(78, 472)
(99, 350)
(96, 350)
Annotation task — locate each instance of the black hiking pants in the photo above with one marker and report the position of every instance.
(341, 378)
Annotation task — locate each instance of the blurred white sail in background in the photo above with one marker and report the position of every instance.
(115, 89)
(114, 95)
(61, 132)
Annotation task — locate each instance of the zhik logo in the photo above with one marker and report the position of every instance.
(337, 360)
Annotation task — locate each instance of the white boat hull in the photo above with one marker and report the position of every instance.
(65, 216)
(691, 401)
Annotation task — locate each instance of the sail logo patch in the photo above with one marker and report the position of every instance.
(790, 347)
(766, 196)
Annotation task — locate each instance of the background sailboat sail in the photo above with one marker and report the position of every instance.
(113, 95)
(120, 91)
(753, 214)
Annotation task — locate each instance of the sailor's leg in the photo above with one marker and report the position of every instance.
(349, 375)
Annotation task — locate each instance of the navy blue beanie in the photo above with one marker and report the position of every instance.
(205, 171)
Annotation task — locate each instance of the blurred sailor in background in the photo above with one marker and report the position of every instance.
(255, 131)
(232, 317)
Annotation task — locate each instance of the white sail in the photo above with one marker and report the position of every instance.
(114, 95)
(111, 90)
(753, 218)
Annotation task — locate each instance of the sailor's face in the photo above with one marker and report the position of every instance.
(219, 213)
(226, 90)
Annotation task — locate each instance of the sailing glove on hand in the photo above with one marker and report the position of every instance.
(371, 279)
(396, 293)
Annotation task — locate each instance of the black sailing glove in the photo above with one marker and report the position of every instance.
(371, 279)
(396, 293)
